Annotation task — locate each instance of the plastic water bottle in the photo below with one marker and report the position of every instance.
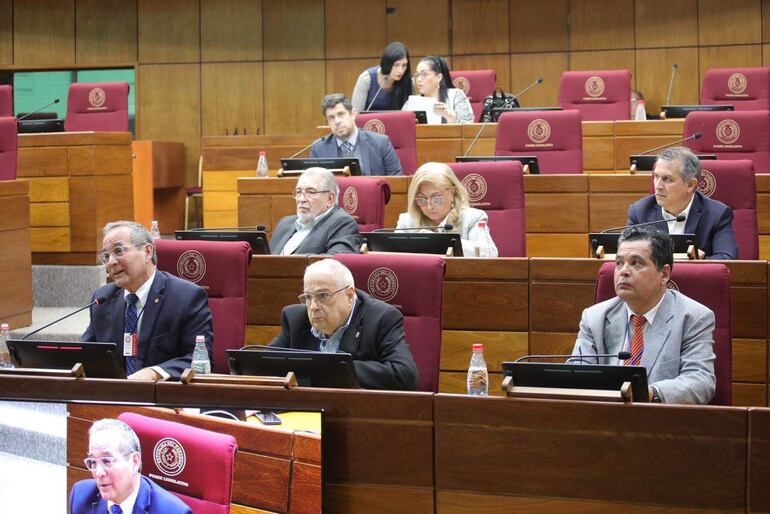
(201, 364)
(478, 377)
(5, 357)
(262, 169)
(483, 241)
(154, 231)
(641, 111)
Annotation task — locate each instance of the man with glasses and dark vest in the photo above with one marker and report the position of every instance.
(334, 316)
(153, 316)
(320, 226)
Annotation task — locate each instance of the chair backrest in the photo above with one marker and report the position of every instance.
(498, 188)
(400, 127)
(598, 94)
(98, 106)
(414, 284)
(732, 135)
(8, 148)
(709, 285)
(555, 137)
(364, 198)
(6, 100)
(748, 89)
(221, 268)
(477, 85)
(194, 464)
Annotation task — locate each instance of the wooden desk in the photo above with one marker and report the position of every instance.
(15, 260)
(158, 177)
(78, 181)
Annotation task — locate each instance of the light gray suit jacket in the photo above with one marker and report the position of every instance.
(337, 232)
(377, 154)
(678, 347)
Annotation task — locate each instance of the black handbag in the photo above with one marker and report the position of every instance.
(494, 102)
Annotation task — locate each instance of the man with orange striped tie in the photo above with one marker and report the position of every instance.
(663, 330)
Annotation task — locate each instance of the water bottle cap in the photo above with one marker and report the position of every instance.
(200, 339)
(5, 326)
(482, 224)
(478, 347)
(262, 154)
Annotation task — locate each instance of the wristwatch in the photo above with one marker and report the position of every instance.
(655, 396)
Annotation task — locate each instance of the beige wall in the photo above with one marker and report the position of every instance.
(206, 66)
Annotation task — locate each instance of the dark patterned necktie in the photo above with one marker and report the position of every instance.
(129, 327)
(115, 509)
(347, 148)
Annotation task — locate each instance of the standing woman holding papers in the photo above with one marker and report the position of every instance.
(441, 102)
(385, 87)
(436, 198)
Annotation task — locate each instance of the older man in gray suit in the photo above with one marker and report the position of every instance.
(666, 332)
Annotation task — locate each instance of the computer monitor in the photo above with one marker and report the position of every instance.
(30, 126)
(421, 116)
(312, 369)
(99, 360)
(531, 160)
(579, 376)
(414, 242)
(330, 163)
(647, 162)
(256, 238)
(681, 111)
(610, 241)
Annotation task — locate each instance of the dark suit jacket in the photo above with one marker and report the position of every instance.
(711, 222)
(176, 312)
(152, 499)
(377, 154)
(337, 232)
(375, 339)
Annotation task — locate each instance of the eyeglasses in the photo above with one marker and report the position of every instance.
(117, 252)
(435, 200)
(321, 298)
(422, 74)
(308, 193)
(106, 462)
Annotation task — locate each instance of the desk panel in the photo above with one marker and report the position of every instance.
(15, 261)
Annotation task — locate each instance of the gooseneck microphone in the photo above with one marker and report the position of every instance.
(97, 301)
(535, 83)
(446, 228)
(680, 218)
(478, 134)
(56, 101)
(696, 135)
(387, 79)
(620, 355)
(308, 146)
(674, 67)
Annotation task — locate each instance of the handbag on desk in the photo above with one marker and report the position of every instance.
(503, 100)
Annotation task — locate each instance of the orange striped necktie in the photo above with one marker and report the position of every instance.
(637, 342)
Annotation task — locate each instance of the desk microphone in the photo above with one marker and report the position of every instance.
(308, 146)
(446, 228)
(387, 79)
(680, 218)
(478, 134)
(697, 135)
(56, 101)
(674, 67)
(535, 83)
(97, 301)
(620, 355)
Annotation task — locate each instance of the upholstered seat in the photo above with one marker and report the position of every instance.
(598, 94)
(400, 127)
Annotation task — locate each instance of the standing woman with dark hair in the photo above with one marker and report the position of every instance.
(450, 105)
(385, 87)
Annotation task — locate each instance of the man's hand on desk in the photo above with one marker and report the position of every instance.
(145, 374)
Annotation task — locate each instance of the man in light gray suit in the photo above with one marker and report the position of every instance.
(320, 226)
(374, 151)
(676, 344)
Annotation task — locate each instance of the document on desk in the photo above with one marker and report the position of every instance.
(424, 103)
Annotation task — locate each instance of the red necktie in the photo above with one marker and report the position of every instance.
(637, 342)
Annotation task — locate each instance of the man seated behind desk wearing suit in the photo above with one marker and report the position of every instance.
(374, 151)
(152, 315)
(676, 175)
(320, 226)
(335, 316)
(115, 461)
(676, 342)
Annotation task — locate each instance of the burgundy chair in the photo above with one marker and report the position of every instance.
(599, 95)
(709, 285)
(555, 137)
(194, 464)
(6, 100)
(364, 198)
(97, 106)
(400, 127)
(221, 268)
(498, 188)
(477, 85)
(748, 89)
(8, 148)
(414, 284)
(732, 135)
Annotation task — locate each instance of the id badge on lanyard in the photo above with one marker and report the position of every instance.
(130, 343)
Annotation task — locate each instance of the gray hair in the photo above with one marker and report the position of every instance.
(689, 164)
(139, 235)
(332, 100)
(341, 272)
(328, 181)
(128, 442)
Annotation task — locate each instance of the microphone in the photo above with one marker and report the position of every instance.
(387, 79)
(674, 67)
(97, 301)
(536, 82)
(620, 355)
(308, 146)
(478, 134)
(56, 101)
(446, 228)
(678, 219)
(697, 135)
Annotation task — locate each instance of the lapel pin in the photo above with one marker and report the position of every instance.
(157, 300)
(357, 333)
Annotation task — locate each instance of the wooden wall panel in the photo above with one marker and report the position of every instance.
(653, 74)
(525, 68)
(422, 26)
(666, 23)
(363, 32)
(44, 32)
(6, 32)
(231, 30)
(601, 24)
(170, 105)
(169, 31)
(295, 90)
(105, 31)
(606, 60)
(539, 26)
(728, 56)
(341, 75)
(500, 63)
(765, 21)
(734, 23)
(294, 29)
(232, 97)
(479, 26)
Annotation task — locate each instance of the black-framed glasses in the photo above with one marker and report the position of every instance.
(434, 200)
(321, 298)
(117, 252)
(106, 462)
(308, 193)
